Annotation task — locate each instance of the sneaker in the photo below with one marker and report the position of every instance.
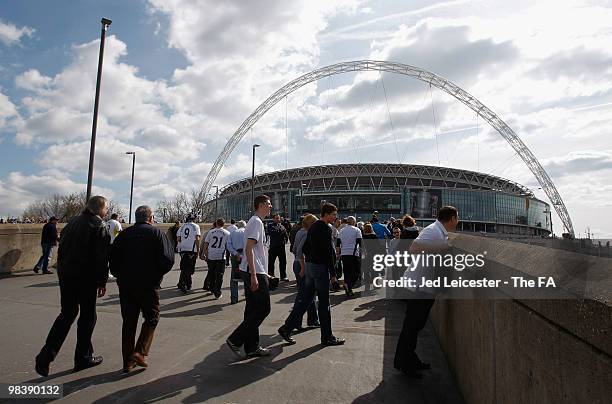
(314, 324)
(47, 272)
(332, 341)
(286, 334)
(218, 297)
(259, 352)
(235, 348)
(36, 269)
(285, 279)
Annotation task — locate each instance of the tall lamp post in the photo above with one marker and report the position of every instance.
(92, 149)
(216, 200)
(132, 187)
(253, 176)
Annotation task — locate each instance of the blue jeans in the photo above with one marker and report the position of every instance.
(316, 280)
(312, 316)
(43, 261)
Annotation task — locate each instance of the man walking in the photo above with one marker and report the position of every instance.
(231, 228)
(253, 272)
(140, 257)
(320, 269)
(188, 237)
(214, 250)
(82, 269)
(114, 227)
(235, 245)
(278, 239)
(48, 240)
(432, 239)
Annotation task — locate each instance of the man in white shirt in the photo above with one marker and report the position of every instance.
(114, 227)
(235, 246)
(188, 237)
(255, 276)
(432, 239)
(214, 251)
(231, 228)
(348, 248)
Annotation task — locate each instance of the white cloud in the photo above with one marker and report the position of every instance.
(10, 34)
(32, 80)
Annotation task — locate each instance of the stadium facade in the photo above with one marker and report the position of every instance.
(486, 203)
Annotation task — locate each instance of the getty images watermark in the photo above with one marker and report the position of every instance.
(451, 273)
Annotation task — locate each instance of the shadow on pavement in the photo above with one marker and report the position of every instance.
(215, 376)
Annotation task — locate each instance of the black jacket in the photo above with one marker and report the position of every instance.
(49, 234)
(278, 235)
(319, 248)
(83, 250)
(140, 256)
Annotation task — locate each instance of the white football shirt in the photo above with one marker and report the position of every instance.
(114, 228)
(217, 240)
(348, 238)
(188, 232)
(255, 230)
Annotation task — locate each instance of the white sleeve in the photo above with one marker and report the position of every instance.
(198, 232)
(252, 231)
(119, 228)
(208, 237)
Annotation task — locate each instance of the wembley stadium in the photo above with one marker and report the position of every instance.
(486, 203)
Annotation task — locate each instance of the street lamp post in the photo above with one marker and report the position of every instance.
(132, 187)
(253, 176)
(216, 200)
(92, 148)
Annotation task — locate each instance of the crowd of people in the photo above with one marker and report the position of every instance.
(325, 249)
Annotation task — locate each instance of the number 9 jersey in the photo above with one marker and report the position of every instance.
(188, 233)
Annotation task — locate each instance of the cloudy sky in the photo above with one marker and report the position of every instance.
(180, 76)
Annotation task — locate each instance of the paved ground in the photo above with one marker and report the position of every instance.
(190, 363)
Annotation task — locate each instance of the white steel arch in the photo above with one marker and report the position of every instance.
(399, 68)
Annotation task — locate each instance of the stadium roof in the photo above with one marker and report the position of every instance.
(377, 177)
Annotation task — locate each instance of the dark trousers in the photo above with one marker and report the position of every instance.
(352, 267)
(216, 269)
(312, 316)
(76, 294)
(316, 280)
(188, 261)
(135, 300)
(256, 310)
(277, 251)
(43, 261)
(417, 311)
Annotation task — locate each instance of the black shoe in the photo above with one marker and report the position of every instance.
(235, 348)
(183, 289)
(314, 324)
(42, 367)
(36, 269)
(300, 329)
(286, 334)
(332, 341)
(88, 363)
(47, 272)
(259, 352)
(423, 366)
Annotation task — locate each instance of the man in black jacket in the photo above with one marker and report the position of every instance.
(48, 240)
(320, 269)
(140, 256)
(278, 239)
(82, 269)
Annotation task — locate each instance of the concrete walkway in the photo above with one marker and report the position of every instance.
(190, 363)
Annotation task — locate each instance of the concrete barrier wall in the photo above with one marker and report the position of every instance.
(529, 351)
(20, 245)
